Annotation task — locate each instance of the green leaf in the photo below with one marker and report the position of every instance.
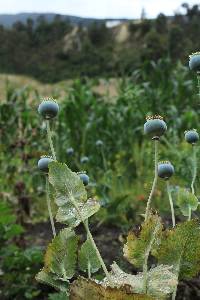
(61, 254)
(120, 278)
(13, 231)
(180, 248)
(87, 255)
(186, 200)
(83, 288)
(68, 214)
(49, 278)
(71, 196)
(7, 216)
(66, 183)
(161, 281)
(137, 248)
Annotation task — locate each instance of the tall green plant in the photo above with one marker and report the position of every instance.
(176, 250)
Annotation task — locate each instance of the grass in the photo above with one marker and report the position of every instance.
(108, 88)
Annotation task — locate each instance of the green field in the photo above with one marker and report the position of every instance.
(120, 170)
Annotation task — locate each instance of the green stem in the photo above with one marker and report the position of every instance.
(174, 293)
(89, 270)
(177, 271)
(154, 181)
(145, 276)
(198, 83)
(171, 204)
(104, 159)
(49, 135)
(147, 253)
(190, 213)
(89, 235)
(49, 208)
(89, 265)
(194, 162)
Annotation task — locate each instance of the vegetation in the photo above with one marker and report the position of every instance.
(57, 50)
(176, 250)
(102, 138)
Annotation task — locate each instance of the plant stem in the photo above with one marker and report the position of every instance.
(49, 208)
(171, 204)
(194, 172)
(97, 252)
(194, 175)
(49, 135)
(145, 264)
(177, 271)
(198, 83)
(89, 265)
(145, 276)
(89, 235)
(174, 293)
(89, 270)
(154, 181)
(189, 213)
(104, 159)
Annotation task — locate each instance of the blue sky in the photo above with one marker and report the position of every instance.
(94, 8)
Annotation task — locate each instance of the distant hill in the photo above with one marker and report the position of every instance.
(8, 20)
(55, 51)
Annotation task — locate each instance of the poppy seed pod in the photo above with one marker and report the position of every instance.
(155, 127)
(191, 136)
(165, 170)
(99, 143)
(48, 109)
(85, 178)
(84, 159)
(43, 163)
(194, 62)
(70, 151)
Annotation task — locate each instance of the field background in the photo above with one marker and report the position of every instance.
(106, 81)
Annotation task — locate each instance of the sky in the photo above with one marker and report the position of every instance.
(95, 8)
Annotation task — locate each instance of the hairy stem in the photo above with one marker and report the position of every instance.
(49, 207)
(194, 163)
(49, 135)
(177, 271)
(174, 293)
(171, 204)
(89, 270)
(189, 213)
(89, 235)
(145, 277)
(145, 264)
(154, 181)
(89, 265)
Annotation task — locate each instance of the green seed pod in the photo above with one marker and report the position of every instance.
(84, 177)
(155, 127)
(70, 151)
(165, 170)
(191, 136)
(48, 109)
(99, 143)
(43, 163)
(194, 62)
(84, 160)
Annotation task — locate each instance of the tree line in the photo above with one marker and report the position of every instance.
(38, 48)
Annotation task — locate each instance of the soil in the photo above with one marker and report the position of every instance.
(109, 240)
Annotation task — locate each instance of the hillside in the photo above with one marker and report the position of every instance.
(8, 20)
(59, 50)
(101, 87)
